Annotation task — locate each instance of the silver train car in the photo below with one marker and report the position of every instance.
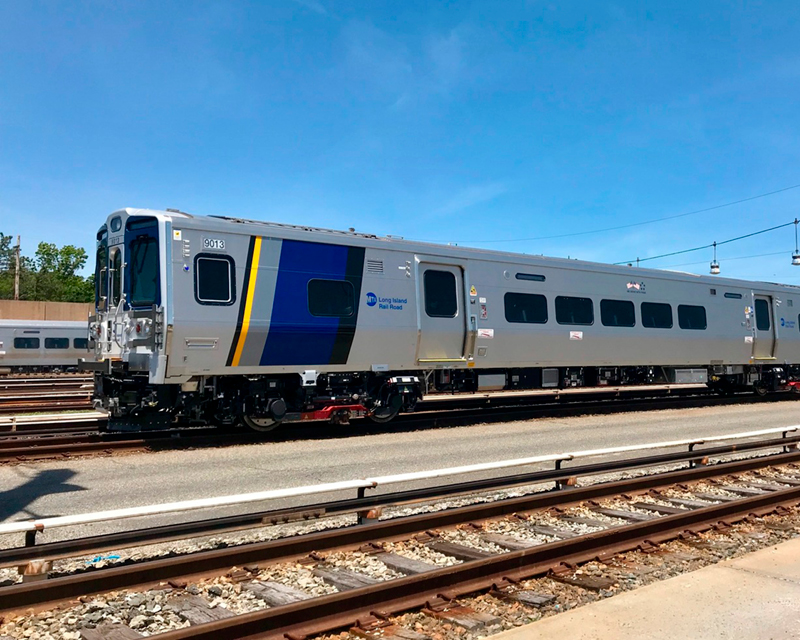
(216, 320)
(30, 346)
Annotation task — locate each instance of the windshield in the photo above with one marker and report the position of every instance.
(142, 272)
(116, 276)
(100, 280)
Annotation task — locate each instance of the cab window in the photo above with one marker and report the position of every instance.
(143, 266)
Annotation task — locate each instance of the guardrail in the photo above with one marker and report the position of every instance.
(31, 527)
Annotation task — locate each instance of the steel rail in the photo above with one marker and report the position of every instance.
(181, 531)
(344, 609)
(427, 419)
(21, 596)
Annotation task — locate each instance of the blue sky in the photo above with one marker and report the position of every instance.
(485, 124)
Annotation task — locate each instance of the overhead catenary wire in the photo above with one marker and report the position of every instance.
(750, 257)
(635, 224)
(707, 246)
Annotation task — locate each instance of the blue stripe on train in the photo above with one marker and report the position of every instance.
(295, 336)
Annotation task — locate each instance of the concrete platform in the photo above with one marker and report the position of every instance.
(756, 597)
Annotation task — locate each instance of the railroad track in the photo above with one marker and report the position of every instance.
(33, 442)
(25, 394)
(360, 576)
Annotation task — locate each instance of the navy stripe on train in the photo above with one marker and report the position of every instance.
(295, 336)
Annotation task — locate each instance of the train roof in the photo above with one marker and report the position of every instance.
(44, 324)
(232, 224)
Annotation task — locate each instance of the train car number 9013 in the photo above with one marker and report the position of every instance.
(213, 243)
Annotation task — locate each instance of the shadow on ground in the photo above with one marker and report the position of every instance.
(44, 483)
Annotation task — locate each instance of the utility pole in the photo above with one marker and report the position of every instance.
(16, 270)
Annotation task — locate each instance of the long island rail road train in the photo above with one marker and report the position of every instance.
(32, 346)
(218, 320)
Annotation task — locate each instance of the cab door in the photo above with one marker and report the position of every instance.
(442, 324)
(764, 336)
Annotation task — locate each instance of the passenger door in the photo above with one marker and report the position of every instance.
(764, 336)
(442, 314)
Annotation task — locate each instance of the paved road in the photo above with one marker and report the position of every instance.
(85, 485)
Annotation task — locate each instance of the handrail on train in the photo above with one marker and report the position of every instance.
(42, 524)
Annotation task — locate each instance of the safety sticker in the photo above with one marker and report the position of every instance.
(473, 291)
(482, 300)
(484, 312)
(748, 339)
(176, 234)
(576, 335)
(486, 333)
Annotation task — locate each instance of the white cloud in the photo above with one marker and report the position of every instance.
(313, 5)
(472, 195)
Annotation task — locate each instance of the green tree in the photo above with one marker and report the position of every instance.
(52, 274)
(6, 267)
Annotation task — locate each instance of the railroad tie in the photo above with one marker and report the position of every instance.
(408, 566)
(592, 583)
(197, 610)
(768, 486)
(713, 496)
(527, 596)
(275, 594)
(791, 482)
(658, 508)
(623, 515)
(343, 579)
(107, 632)
(394, 632)
(742, 491)
(686, 502)
(459, 551)
(462, 616)
(553, 532)
(589, 522)
(508, 542)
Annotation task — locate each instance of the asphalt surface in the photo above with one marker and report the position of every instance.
(84, 485)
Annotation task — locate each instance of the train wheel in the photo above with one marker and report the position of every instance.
(760, 389)
(260, 423)
(387, 411)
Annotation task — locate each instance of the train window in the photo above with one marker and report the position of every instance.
(26, 343)
(535, 277)
(116, 276)
(733, 296)
(80, 343)
(656, 315)
(762, 315)
(331, 298)
(56, 343)
(617, 313)
(574, 310)
(691, 317)
(144, 271)
(101, 271)
(214, 279)
(441, 300)
(527, 308)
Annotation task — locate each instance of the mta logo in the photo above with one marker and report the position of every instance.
(372, 299)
